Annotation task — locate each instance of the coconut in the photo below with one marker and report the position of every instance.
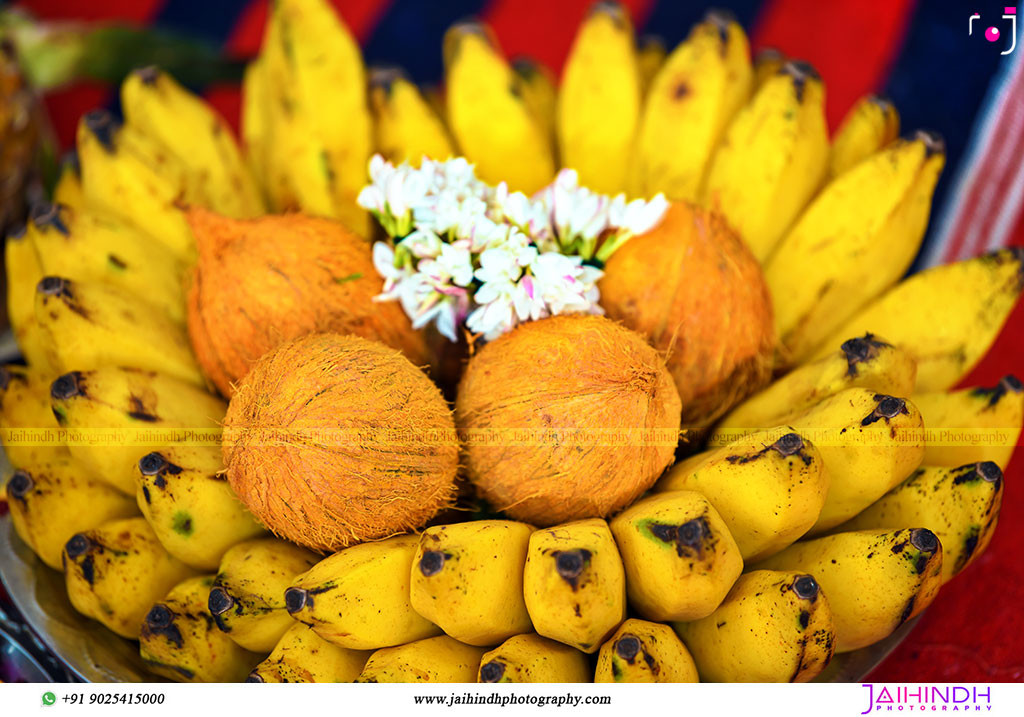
(566, 418)
(262, 281)
(696, 292)
(331, 440)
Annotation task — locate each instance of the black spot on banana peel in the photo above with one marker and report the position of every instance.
(789, 444)
(219, 603)
(908, 609)
(46, 216)
(296, 599)
(569, 564)
(688, 537)
(493, 671)
(1008, 384)
(886, 407)
(432, 562)
(62, 289)
(75, 548)
(103, 127)
(160, 621)
(860, 350)
(19, 485)
(972, 472)
(628, 647)
(139, 411)
(67, 386)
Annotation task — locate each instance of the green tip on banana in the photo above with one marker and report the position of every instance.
(103, 126)
(933, 142)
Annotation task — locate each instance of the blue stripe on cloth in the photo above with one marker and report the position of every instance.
(940, 80)
(410, 33)
(671, 20)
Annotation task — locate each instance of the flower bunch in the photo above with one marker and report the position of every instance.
(461, 251)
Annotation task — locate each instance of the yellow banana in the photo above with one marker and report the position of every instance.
(875, 580)
(112, 415)
(303, 656)
(768, 487)
(972, 425)
(467, 578)
(89, 246)
(865, 362)
(679, 557)
(694, 96)
(599, 100)
(187, 127)
(532, 658)
(492, 125)
(853, 242)
(68, 190)
(772, 627)
(435, 660)
(574, 583)
(650, 56)
(960, 505)
(767, 62)
(946, 317)
(772, 158)
(115, 572)
(407, 128)
(178, 639)
(358, 598)
(642, 651)
(256, 123)
(28, 429)
(869, 442)
(870, 125)
(320, 132)
(185, 496)
(247, 599)
(23, 274)
(123, 175)
(535, 83)
(92, 324)
(53, 500)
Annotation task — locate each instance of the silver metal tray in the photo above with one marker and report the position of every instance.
(94, 654)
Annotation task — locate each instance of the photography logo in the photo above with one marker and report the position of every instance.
(993, 33)
(928, 698)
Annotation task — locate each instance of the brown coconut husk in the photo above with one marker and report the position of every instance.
(331, 440)
(696, 292)
(538, 410)
(259, 282)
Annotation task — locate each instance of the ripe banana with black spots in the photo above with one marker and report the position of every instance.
(492, 125)
(875, 580)
(532, 658)
(124, 175)
(247, 598)
(178, 639)
(772, 158)
(946, 317)
(187, 128)
(91, 325)
(692, 100)
(642, 651)
(303, 656)
(183, 493)
(116, 571)
(972, 425)
(869, 442)
(960, 505)
(871, 124)
(574, 583)
(23, 274)
(680, 558)
(774, 626)
(467, 578)
(600, 99)
(854, 241)
(111, 414)
(93, 247)
(28, 429)
(358, 598)
(435, 659)
(865, 362)
(52, 500)
(768, 487)
(318, 133)
(406, 126)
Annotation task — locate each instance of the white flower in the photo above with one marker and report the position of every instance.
(454, 264)
(565, 285)
(494, 317)
(394, 276)
(422, 243)
(638, 216)
(497, 265)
